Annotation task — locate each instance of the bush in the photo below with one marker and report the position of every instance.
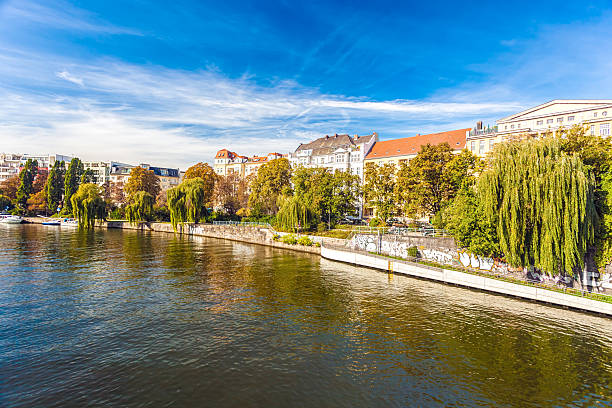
(412, 252)
(289, 239)
(161, 214)
(317, 244)
(304, 240)
(276, 237)
(118, 213)
(376, 222)
(321, 227)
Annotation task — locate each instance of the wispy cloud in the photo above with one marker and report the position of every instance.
(58, 14)
(134, 113)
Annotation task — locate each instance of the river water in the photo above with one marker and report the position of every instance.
(135, 319)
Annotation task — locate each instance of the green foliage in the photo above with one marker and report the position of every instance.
(140, 208)
(273, 180)
(304, 240)
(329, 195)
(118, 213)
(294, 215)
(541, 201)
(71, 183)
(464, 218)
(26, 180)
(289, 239)
(412, 252)
(88, 176)
(55, 185)
(87, 205)
(5, 203)
(379, 189)
(142, 179)
(276, 237)
(187, 201)
(429, 181)
(161, 213)
(321, 227)
(376, 222)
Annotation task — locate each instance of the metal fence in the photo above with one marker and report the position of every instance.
(244, 224)
(422, 232)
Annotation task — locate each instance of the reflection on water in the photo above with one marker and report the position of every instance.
(125, 318)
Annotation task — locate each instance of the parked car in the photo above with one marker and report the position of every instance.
(349, 219)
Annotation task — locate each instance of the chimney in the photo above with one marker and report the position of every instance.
(479, 125)
(326, 137)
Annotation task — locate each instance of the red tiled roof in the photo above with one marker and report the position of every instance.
(412, 145)
(225, 154)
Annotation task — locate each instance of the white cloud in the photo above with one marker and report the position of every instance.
(66, 75)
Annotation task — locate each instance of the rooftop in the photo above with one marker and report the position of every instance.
(412, 145)
(327, 144)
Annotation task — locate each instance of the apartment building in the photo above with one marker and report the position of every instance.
(228, 162)
(168, 178)
(101, 170)
(11, 163)
(594, 114)
(397, 151)
(337, 152)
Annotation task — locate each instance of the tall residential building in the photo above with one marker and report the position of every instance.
(228, 162)
(402, 150)
(595, 114)
(11, 164)
(101, 170)
(337, 152)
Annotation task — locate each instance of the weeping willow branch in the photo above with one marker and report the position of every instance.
(88, 205)
(542, 202)
(140, 208)
(186, 202)
(293, 214)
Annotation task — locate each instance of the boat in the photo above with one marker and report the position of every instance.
(51, 223)
(70, 222)
(10, 219)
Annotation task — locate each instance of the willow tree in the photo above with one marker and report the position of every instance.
(187, 201)
(294, 214)
(140, 207)
(88, 205)
(541, 201)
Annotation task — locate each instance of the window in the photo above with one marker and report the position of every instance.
(549, 121)
(540, 122)
(339, 158)
(473, 147)
(357, 170)
(518, 126)
(559, 120)
(481, 146)
(592, 130)
(506, 127)
(604, 129)
(491, 144)
(594, 114)
(604, 113)
(511, 126)
(570, 118)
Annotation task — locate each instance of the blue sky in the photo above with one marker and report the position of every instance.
(172, 82)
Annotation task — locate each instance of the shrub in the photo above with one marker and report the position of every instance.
(276, 237)
(321, 227)
(118, 213)
(412, 252)
(376, 222)
(317, 244)
(289, 239)
(304, 240)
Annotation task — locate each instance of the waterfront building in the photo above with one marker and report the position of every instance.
(101, 170)
(595, 114)
(396, 151)
(337, 152)
(11, 163)
(168, 177)
(228, 162)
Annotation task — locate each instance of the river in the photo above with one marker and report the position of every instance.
(112, 318)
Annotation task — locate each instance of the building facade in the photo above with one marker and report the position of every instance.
(228, 162)
(594, 114)
(168, 178)
(337, 152)
(11, 163)
(397, 151)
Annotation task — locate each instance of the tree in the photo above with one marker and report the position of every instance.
(379, 189)
(55, 185)
(273, 180)
(430, 180)
(88, 176)
(10, 186)
(142, 179)
(541, 201)
(187, 201)
(294, 214)
(140, 208)
(231, 193)
(464, 218)
(117, 193)
(71, 183)
(26, 180)
(5, 203)
(37, 203)
(87, 205)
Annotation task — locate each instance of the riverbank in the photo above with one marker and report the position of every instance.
(466, 280)
(334, 249)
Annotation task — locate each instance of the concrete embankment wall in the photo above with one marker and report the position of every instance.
(467, 280)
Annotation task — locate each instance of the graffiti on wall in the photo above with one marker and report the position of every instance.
(475, 261)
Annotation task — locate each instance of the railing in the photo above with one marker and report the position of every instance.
(489, 130)
(244, 224)
(423, 231)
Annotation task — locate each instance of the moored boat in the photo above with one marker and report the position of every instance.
(10, 219)
(70, 222)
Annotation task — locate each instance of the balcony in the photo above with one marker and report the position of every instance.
(482, 132)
